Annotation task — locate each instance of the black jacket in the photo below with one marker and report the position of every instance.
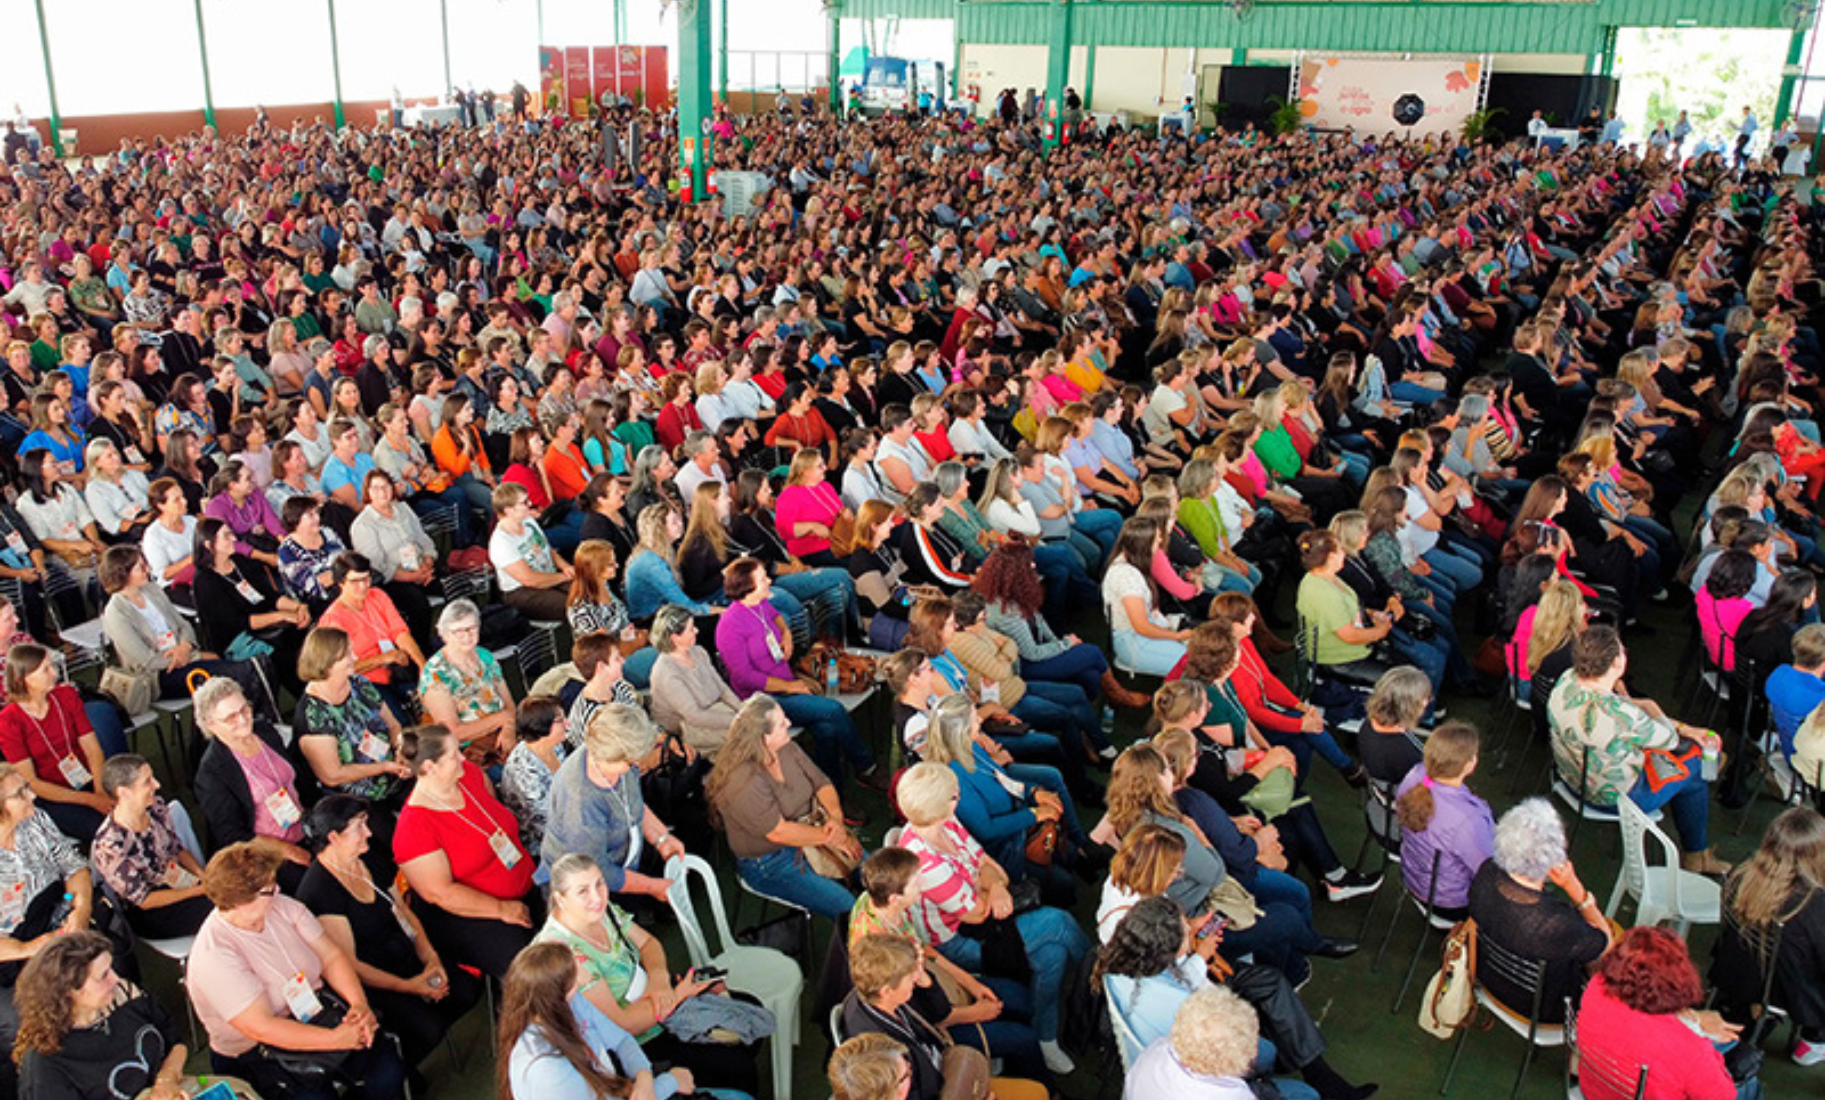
(226, 798)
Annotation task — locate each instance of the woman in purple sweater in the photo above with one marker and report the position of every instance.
(1439, 815)
(756, 648)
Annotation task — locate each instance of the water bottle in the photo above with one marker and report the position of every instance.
(1709, 766)
(830, 679)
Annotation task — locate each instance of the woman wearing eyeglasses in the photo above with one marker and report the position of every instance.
(267, 979)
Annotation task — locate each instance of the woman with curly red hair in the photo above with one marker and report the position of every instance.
(1009, 581)
(1639, 1010)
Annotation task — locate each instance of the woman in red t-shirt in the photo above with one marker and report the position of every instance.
(459, 849)
(46, 735)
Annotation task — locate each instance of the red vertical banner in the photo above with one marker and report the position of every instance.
(627, 73)
(602, 75)
(551, 76)
(576, 81)
(656, 83)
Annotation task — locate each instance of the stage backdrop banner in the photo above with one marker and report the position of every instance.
(602, 71)
(576, 80)
(1359, 92)
(628, 70)
(551, 75)
(655, 80)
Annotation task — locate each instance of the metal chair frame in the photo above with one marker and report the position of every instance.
(1526, 973)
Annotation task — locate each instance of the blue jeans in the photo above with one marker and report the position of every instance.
(1462, 573)
(1412, 393)
(1444, 593)
(1457, 666)
(1355, 468)
(1055, 944)
(833, 733)
(567, 536)
(1429, 656)
(1281, 938)
(1101, 524)
(1288, 890)
(1082, 664)
(1064, 573)
(1063, 711)
(1148, 656)
(786, 875)
(1687, 801)
(454, 497)
(828, 596)
(1304, 746)
(1010, 1035)
(104, 719)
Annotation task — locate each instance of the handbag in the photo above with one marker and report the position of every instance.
(827, 861)
(1042, 843)
(132, 690)
(1233, 900)
(311, 1064)
(247, 647)
(1274, 794)
(1663, 767)
(1450, 1000)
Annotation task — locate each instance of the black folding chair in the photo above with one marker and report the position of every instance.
(1433, 922)
(1613, 1075)
(1528, 975)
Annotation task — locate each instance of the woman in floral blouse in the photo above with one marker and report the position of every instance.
(140, 855)
(464, 689)
(540, 747)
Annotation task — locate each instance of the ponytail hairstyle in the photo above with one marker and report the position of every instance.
(1450, 751)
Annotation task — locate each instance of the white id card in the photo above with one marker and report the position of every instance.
(74, 773)
(408, 558)
(991, 691)
(134, 457)
(283, 809)
(247, 591)
(301, 999)
(373, 746)
(178, 878)
(503, 849)
(778, 651)
(15, 542)
(386, 645)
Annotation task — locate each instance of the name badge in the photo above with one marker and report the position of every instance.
(386, 645)
(166, 639)
(283, 808)
(15, 542)
(12, 906)
(774, 647)
(301, 999)
(373, 746)
(408, 558)
(74, 773)
(247, 591)
(504, 849)
(66, 468)
(991, 691)
(177, 877)
(134, 457)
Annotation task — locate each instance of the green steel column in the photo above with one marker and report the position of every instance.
(694, 95)
(1607, 63)
(538, 14)
(1089, 74)
(722, 58)
(50, 82)
(1058, 71)
(620, 22)
(443, 15)
(833, 30)
(202, 50)
(336, 70)
(1796, 53)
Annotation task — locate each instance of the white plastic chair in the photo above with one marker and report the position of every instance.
(769, 976)
(1660, 892)
(1126, 1041)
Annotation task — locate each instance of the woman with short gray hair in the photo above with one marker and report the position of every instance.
(464, 689)
(690, 697)
(1512, 907)
(961, 519)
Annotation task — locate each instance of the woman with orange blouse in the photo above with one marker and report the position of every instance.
(567, 472)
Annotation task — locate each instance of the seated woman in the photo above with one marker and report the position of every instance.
(1441, 819)
(874, 564)
(540, 746)
(1008, 503)
(459, 850)
(1433, 648)
(622, 973)
(59, 518)
(931, 554)
(383, 645)
(652, 569)
(756, 648)
(527, 468)
(826, 593)
(532, 575)
(237, 501)
(464, 689)
(306, 552)
(1145, 640)
(773, 802)
(1011, 586)
(238, 612)
(1390, 744)
(559, 1044)
(45, 734)
(593, 607)
(1283, 717)
(992, 663)
(116, 494)
(151, 639)
(1211, 1048)
(999, 809)
(88, 1034)
(707, 549)
(415, 996)
(689, 696)
(1509, 902)
(139, 854)
(1775, 892)
(246, 784)
(1724, 602)
(1332, 616)
(989, 1013)
(1155, 959)
(961, 888)
(886, 971)
(810, 510)
(1640, 1015)
(261, 967)
(348, 736)
(401, 554)
(1601, 737)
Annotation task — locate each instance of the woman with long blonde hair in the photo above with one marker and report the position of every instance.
(1777, 901)
(1559, 618)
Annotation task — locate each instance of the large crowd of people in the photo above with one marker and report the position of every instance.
(1285, 445)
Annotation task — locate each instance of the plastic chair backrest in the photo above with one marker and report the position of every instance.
(836, 1024)
(1636, 828)
(679, 871)
(1126, 1041)
(1378, 814)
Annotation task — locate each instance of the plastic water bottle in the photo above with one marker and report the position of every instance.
(830, 678)
(1708, 767)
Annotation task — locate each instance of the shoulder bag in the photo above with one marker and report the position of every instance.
(1450, 1000)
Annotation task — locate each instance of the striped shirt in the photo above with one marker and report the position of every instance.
(947, 883)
